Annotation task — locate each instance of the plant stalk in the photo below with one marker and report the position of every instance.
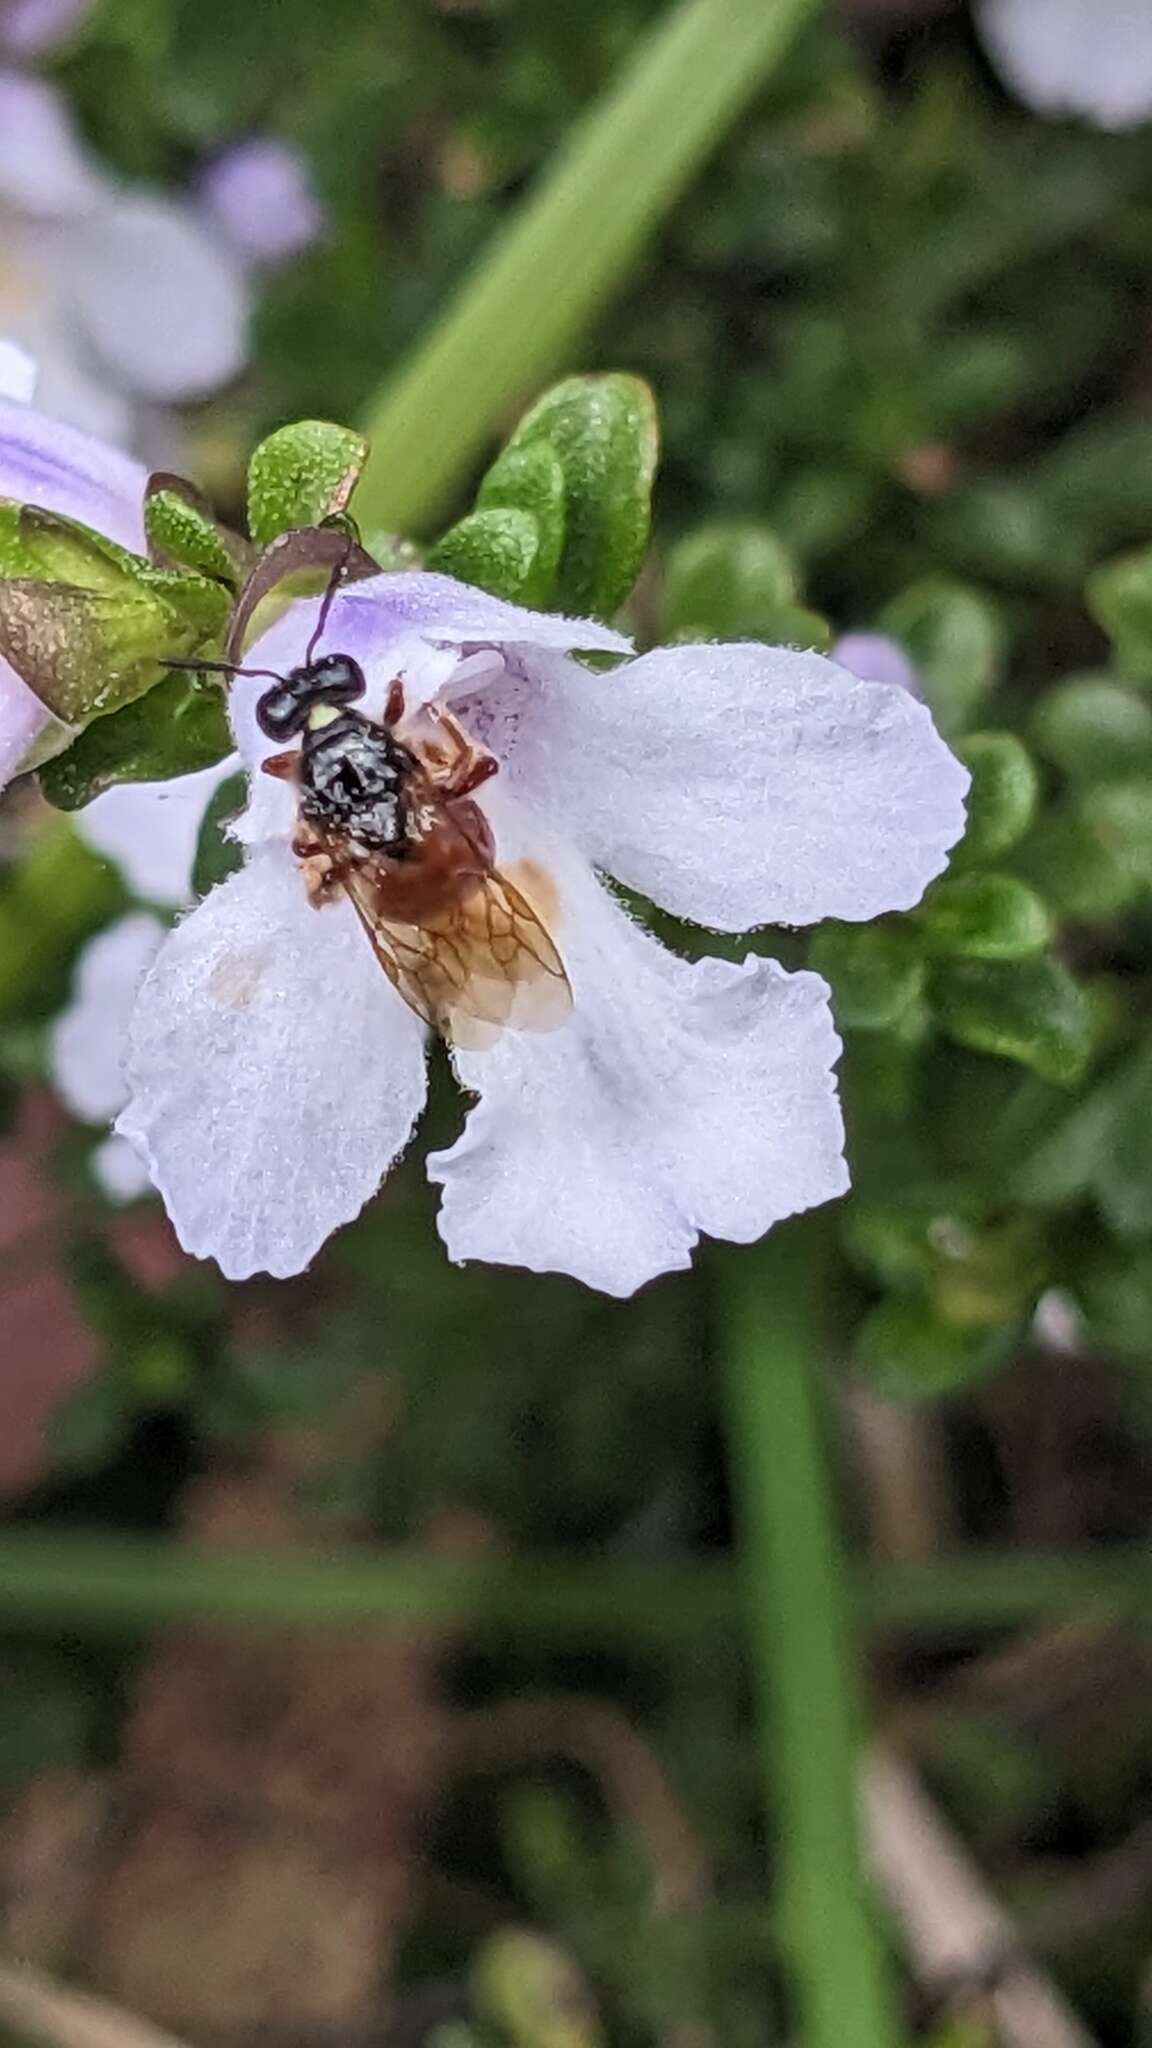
(797, 1591)
(537, 289)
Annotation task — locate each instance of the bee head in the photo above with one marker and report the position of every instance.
(285, 709)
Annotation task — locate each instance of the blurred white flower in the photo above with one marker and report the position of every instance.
(151, 830)
(1087, 57)
(876, 658)
(86, 1046)
(29, 27)
(123, 296)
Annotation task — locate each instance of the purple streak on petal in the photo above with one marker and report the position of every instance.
(44, 168)
(43, 462)
(29, 26)
(259, 194)
(874, 658)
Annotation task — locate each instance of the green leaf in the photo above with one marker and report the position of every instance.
(604, 433)
(182, 530)
(1120, 596)
(86, 623)
(174, 730)
(531, 480)
(1031, 1011)
(909, 1352)
(496, 551)
(1001, 802)
(875, 972)
(956, 641)
(986, 917)
(301, 476)
(727, 581)
(1094, 731)
(217, 856)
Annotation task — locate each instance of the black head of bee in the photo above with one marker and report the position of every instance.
(284, 710)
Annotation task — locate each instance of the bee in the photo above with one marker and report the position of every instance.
(386, 816)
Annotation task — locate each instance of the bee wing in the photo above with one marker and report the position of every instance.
(485, 965)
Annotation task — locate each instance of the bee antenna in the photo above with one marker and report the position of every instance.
(339, 572)
(219, 668)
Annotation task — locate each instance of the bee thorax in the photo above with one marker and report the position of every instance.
(352, 780)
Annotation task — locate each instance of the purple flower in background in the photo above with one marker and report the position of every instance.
(1086, 57)
(260, 196)
(876, 659)
(29, 27)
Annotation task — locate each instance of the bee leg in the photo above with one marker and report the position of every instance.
(320, 869)
(394, 707)
(282, 766)
(471, 770)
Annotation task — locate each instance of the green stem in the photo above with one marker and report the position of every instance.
(533, 294)
(797, 1590)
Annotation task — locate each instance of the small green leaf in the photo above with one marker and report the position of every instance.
(1094, 731)
(531, 479)
(1031, 1011)
(728, 581)
(302, 475)
(1120, 596)
(494, 550)
(986, 917)
(182, 531)
(875, 972)
(604, 432)
(956, 641)
(908, 1351)
(531, 1989)
(218, 856)
(1001, 802)
(174, 730)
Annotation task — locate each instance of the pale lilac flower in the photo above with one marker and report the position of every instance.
(275, 1074)
(1087, 57)
(151, 831)
(121, 294)
(86, 1045)
(876, 658)
(29, 27)
(260, 196)
(43, 462)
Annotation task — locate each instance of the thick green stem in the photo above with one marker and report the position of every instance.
(797, 1592)
(534, 293)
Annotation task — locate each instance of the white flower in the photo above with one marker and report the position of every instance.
(123, 295)
(274, 1073)
(151, 831)
(86, 1046)
(1086, 57)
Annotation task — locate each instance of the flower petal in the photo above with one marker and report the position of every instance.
(742, 785)
(43, 462)
(1064, 57)
(151, 830)
(260, 197)
(44, 168)
(30, 26)
(22, 718)
(86, 1049)
(274, 1074)
(17, 373)
(164, 306)
(119, 1170)
(676, 1100)
(875, 658)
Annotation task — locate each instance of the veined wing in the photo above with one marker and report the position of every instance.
(485, 965)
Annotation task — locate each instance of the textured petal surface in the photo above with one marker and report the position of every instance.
(161, 302)
(44, 168)
(1070, 57)
(43, 462)
(274, 1074)
(741, 785)
(676, 1100)
(150, 829)
(86, 1050)
(259, 195)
